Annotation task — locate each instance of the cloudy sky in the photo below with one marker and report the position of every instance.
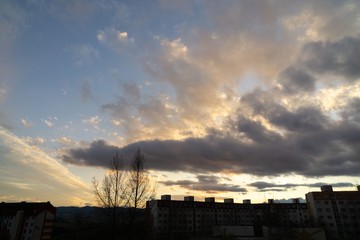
(242, 99)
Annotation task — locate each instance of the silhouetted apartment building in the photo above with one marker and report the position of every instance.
(26, 221)
(182, 219)
(335, 212)
(338, 212)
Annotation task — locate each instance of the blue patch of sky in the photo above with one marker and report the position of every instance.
(50, 82)
(249, 82)
(166, 22)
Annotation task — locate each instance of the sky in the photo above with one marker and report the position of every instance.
(226, 99)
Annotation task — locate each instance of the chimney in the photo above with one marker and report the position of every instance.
(228, 200)
(189, 198)
(210, 199)
(270, 201)
(246, 201)
(166, 197)
(295, 200)
(358, 187)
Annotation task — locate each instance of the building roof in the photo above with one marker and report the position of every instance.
(30, 208)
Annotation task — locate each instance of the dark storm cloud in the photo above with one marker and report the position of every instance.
(341, 58)
(323, 58)
(99, 153)
(266, 186)
(271, 190)
(207, 183)
(340, 184)
(352, 113)
(256, 131)
(211, 154)
(295, 80)
(303, 119)
(192, 155)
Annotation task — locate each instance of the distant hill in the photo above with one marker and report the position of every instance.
(69, 213)
(94, 214)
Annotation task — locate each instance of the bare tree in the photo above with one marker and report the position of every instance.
(139, 184)
(111, 192)
(120, 188)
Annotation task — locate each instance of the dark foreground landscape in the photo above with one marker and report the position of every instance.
(94, 223)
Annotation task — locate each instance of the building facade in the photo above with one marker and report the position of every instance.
(183, 219)
(335, 214)
(26, 221)
(338, 212)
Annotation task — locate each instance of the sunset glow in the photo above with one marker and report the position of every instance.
(236, 99)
